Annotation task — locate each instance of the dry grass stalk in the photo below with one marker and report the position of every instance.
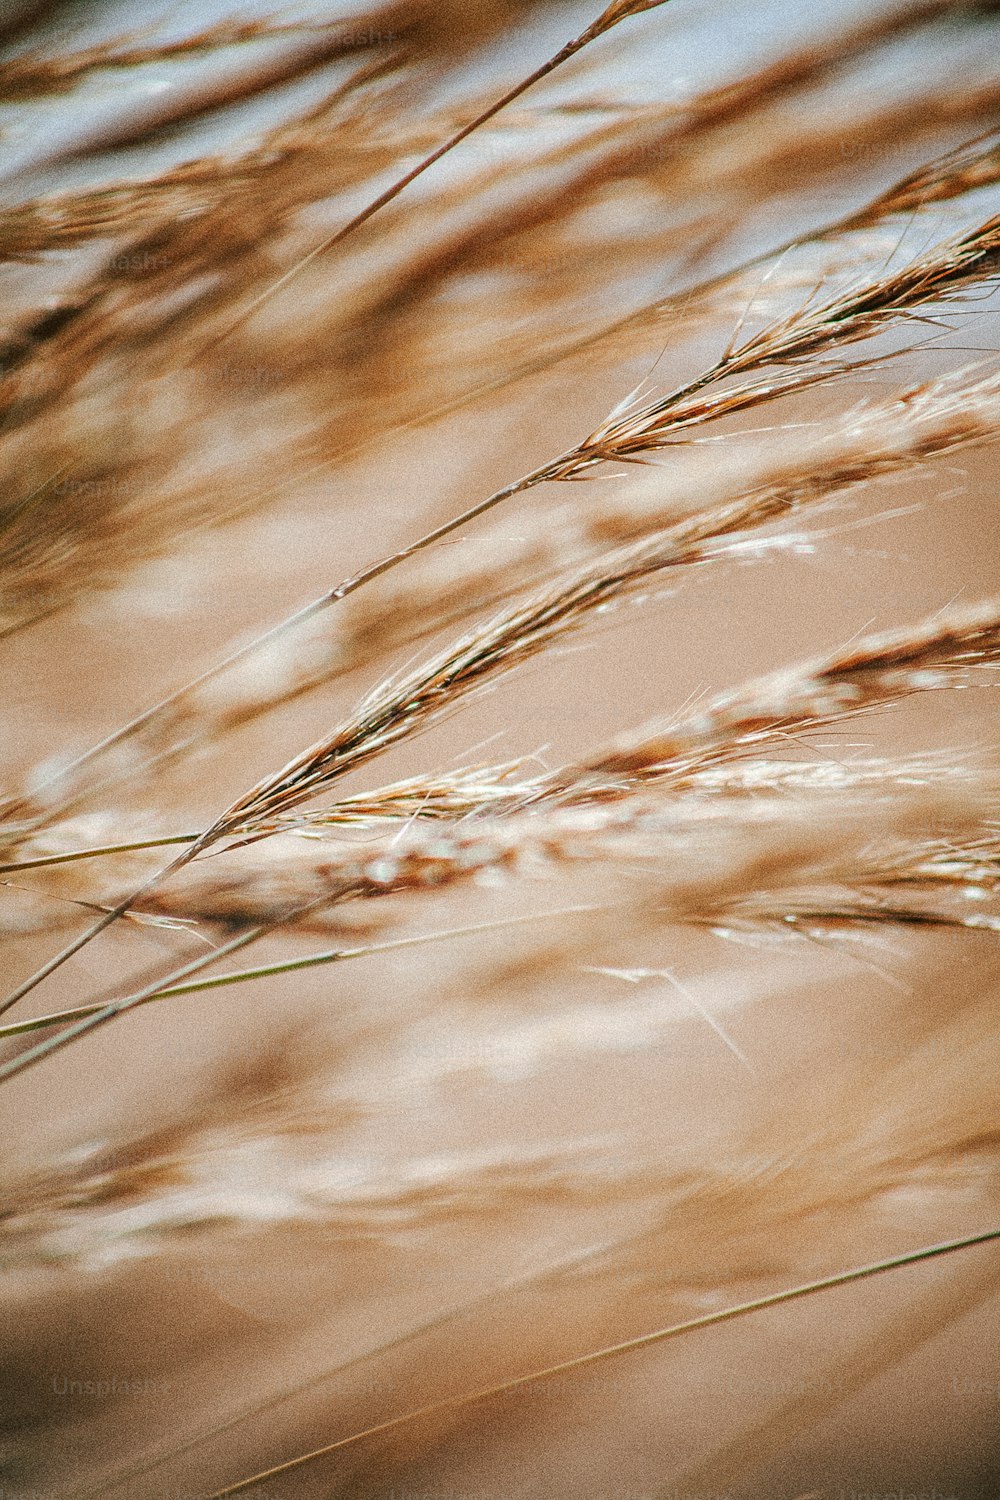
(746, 1187)
(877, 670)
(585, 1361)
(799, 339)
(716, 496)
(874, 672)
(721, 857)
(31, 73)
(492, 837)
(176, 251)
(926, 420)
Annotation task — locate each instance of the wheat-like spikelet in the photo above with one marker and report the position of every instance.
(879, 440)
(711, 856)
(760, 848)
(176, 250)
(311, 658)
(874, 672)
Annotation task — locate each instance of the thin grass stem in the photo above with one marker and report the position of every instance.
(293, 965)
(628, 1346)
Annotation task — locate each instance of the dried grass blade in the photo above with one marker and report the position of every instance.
(881, 1349)
(644, 1341)
(159, 710)
(608, 18)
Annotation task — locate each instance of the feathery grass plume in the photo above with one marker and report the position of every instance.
(923, 421)
(872, 673)
(173, 725)
(970, 166)
(794, 341)
(453, 1135)
(199, 210)
(711, 854)
(491, 790)
(717, 497)
(905, 875)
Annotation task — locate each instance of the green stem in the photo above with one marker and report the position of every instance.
(288, 966)
(65, 859)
